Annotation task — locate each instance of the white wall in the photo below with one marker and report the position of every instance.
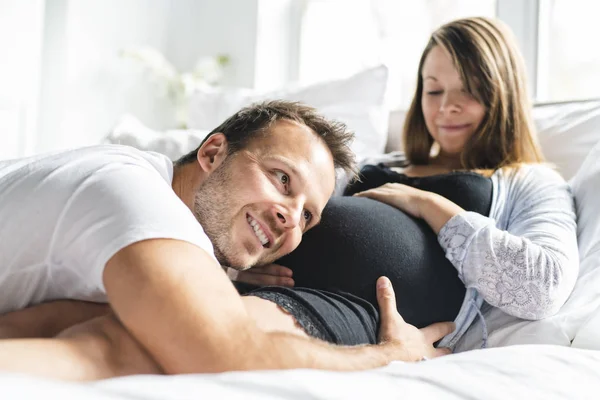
(277, 43)
(20, 44)
(209, 27)
(87, 86)
(62, 78)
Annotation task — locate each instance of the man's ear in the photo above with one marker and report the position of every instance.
(213, 152)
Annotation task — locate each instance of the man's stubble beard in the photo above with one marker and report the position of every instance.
(212, 209)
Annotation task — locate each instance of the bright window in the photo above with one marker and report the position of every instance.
(568, 52)
(340, 37)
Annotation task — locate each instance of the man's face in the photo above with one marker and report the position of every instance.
(256, 205)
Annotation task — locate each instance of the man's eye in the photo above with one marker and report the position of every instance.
(283, 177)
(307, 215)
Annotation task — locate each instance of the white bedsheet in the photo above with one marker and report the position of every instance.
(529, 371)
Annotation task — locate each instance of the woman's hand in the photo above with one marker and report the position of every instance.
(433, 208)
(267, 275)
(403, 197)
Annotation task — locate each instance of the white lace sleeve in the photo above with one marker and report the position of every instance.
(529, 269)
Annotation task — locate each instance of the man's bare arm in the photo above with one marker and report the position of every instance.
(48, 319)
(180, 305)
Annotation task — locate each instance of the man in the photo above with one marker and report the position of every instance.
(114, 224)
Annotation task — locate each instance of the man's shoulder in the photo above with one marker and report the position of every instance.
(116, 152)
(97, 153)
(126, 156)
(63, 173)
(90, 160)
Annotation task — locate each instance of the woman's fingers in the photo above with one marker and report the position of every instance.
(435, 332)
(442, 351)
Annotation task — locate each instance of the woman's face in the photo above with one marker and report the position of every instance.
(451, 114)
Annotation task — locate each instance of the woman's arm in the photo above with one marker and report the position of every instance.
(433, 208)
(529, 269)
(48, 319)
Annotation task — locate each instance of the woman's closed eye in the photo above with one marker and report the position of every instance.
(434, 92)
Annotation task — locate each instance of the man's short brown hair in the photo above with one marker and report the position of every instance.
(249, 122)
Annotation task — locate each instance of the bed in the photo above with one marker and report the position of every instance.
(527, 371)
(558, 357)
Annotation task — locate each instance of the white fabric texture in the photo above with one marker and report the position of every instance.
(64, 215)
(357, 101)
(519, 372)
(586, 188)
(567, 132)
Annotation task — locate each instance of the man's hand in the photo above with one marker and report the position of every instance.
(406, 342)
(268, 275)
(178, 304)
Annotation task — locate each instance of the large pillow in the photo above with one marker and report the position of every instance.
(173, 143)
(586, 190)
(567, 131)
(358, 101)
(578, 321)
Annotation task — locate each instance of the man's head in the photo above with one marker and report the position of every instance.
(261, 179)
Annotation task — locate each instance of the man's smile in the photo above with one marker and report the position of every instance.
(263, 235)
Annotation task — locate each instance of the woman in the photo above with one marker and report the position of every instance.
(470, 119)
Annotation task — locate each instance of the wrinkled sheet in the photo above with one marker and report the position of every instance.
(527, 371)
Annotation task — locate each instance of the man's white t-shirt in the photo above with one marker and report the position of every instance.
(64, 215)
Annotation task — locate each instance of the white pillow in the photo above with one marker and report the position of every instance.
(358, 101)
(567, 132)
(586, 190)
(172, 143)
(579, 318)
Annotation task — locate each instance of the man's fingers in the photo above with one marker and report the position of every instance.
(435, 332)
(386, 299)
(271, 269)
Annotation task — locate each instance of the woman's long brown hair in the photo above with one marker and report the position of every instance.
(492, 69)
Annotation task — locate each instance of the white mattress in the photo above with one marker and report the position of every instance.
(528, 371)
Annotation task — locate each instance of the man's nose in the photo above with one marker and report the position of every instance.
(288, 216)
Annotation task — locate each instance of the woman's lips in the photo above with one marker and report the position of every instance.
(454, 127)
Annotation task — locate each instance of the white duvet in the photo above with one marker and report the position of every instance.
(528, 372)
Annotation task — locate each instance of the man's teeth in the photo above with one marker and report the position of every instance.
(258, 232)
